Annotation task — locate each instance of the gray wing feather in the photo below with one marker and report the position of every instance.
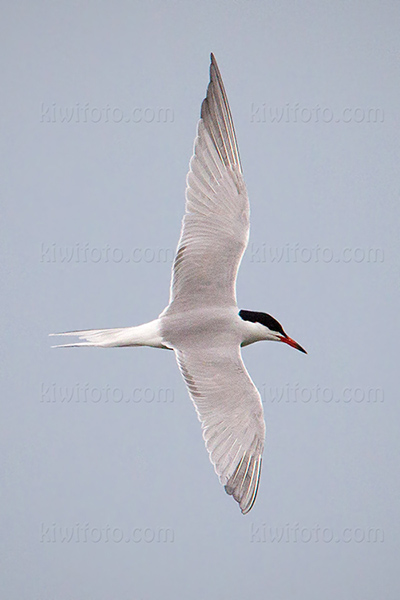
(214, 236)
(215, 226)
(230, 410)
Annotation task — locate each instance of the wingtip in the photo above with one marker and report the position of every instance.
(214, 64)
(245, 494)
(245, 508)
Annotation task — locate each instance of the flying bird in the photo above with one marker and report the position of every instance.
(202, 323)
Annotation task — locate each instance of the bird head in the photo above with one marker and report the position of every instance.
(269, 328)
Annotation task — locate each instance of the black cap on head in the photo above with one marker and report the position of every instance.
(264, 319)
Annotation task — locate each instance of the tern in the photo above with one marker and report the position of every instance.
(202, 323)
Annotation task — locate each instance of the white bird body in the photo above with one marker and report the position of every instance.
(219, 324)
(202, 322)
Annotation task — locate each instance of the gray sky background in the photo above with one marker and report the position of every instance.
(111, 494)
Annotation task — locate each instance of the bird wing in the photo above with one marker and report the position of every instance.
(229, 407)
(215, 227)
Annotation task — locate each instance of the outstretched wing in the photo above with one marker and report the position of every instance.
(215, 226)
(230, 410)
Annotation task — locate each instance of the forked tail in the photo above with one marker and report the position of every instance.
(102, 338)
(142, 335)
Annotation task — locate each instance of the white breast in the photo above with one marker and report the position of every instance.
(253, 332)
